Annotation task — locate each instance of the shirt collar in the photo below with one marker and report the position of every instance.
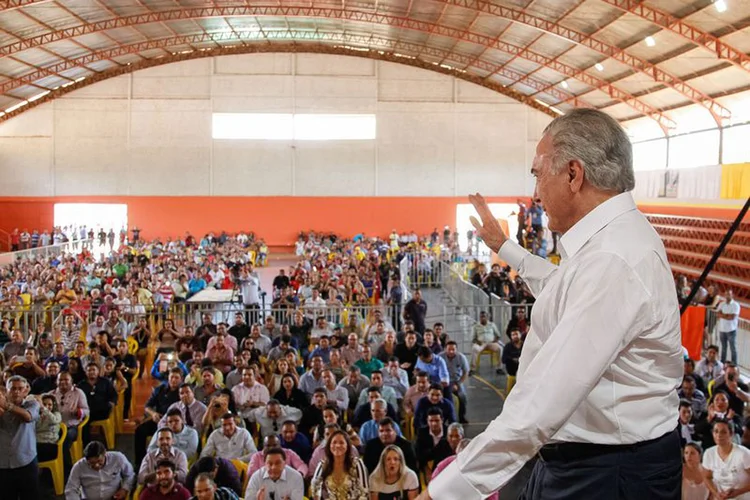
(577, 236)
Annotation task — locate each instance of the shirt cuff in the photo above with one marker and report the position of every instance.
(451, 484)
(512, 253)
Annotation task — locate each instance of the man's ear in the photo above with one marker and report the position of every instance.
(575, 176)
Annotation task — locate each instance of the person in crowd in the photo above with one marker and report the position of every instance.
(727, 465)
(354, 383)
(250, 394)
(47, 428)
(407, 352)
(258, 460)
(165, 450)
(100, 394)
(434, 399)
(432, 442)
(684, 423)
(289, 394)
(191, 409)
(230, 441)
(511, 356)
(294, 440)
(206, 489)
(696, 398)
(166, 486)
(275, 479)
(271, 417)
(18, 460)
(48, 383)
(209, 386)
(162, 397)
(415, 310)
(387, 393)
(486, 337)
(184, 437)
(709, 367)
(387, 435)
(728, 312)
(378, 411)
(338, 475)
(220, 470)
(392, 479)
(396, 377)
(458, 373)
(694, 484)
(100, 474)
(718, 409)
(366, 363)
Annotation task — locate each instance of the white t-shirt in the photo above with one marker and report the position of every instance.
(733, 472)
(729, 325)
(391, 491)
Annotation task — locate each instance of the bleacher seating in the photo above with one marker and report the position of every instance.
(691, 241)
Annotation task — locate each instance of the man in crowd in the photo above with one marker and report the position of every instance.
(486, 338)
(18, 465)
(162, 397)
(164, 451)
(229, 441)
(166, 487)
(458, 372)
(276, 479)
(388, 435)
(100, 474)
(191, 409)
(184, 438)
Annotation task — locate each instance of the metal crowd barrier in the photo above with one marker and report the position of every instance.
(711, 336)
(48, 251)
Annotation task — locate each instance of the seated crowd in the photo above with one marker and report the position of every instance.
(317, 399)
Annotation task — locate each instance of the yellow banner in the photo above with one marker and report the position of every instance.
(735, 181)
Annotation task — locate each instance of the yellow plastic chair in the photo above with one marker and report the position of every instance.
(135, 377)
(711, 388)
(56, 466)
(108, 428)
(494, 358)
(137, 492)
(242, 471)
(76, 447)
(132, 346)
(408, 429)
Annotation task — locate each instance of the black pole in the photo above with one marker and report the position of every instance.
(717, 253)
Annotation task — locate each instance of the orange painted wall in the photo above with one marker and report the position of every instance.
(277, 219)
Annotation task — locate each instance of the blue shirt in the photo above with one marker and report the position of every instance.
(369, 430)
(18, 438)
(536, 215)
(437, 370)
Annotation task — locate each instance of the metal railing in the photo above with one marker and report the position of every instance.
(46, 251)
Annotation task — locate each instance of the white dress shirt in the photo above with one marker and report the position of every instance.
(266, 423)
(240, 445)
(289, 486)
(603, 356)
(729, 325)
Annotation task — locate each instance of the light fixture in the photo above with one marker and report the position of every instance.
(599, 66)
(721, 5)
(564, 84)
(650, 41)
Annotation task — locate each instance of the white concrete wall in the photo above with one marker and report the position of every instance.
(149, 133)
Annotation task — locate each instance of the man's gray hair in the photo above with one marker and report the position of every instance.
(457, 427)
(599, 143)
(16, 378)
(379, 402)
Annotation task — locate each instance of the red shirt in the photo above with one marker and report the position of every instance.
(152, 492)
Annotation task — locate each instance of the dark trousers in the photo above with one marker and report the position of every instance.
(648, 470)
(142, 433)
(21, 483)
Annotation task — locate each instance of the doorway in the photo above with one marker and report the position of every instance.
(72, 217)
(505, 211)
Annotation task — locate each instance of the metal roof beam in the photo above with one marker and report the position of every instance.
(316, 47)
(691, 33)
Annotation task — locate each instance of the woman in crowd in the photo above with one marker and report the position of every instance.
(693, 474)
(142, 335)
(221, 403)
(290, 394)
(392, 479)
(47, 429)
(718, 408)
(339, 476)
(167, 337)
(727, 465)
(275, 378)
(76, 370)
(331, 415)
